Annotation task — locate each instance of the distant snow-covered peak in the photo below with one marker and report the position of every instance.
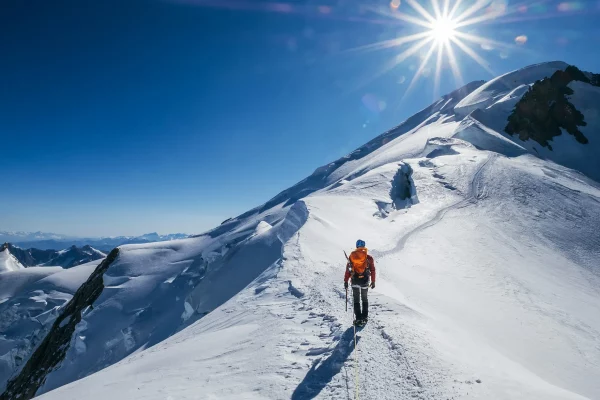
(8, 262)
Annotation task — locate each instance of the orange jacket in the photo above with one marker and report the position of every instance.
(370, 263)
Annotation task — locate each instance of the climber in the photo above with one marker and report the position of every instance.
(360, 268)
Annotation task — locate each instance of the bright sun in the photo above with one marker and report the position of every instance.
(443, 29)
(440, 32)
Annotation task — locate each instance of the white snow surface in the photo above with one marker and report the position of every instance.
(510, 83)
(30, 300)
(491, 104)
(488, 281)
(8, 262)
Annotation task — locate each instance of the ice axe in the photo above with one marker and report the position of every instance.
(346, 299)
(347, 259)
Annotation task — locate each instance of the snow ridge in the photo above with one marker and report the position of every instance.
(487, 278)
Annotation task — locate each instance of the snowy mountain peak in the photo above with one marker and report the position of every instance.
(486, 247)
(8, 262)
(65, 258)
(549, 110)
(490, 92)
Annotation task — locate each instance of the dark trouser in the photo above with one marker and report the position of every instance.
(358, 294)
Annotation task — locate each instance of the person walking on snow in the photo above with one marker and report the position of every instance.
(360, 268)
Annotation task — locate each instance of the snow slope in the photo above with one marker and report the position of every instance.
(506, 87)
(30, 300)
(8, 262)
(493, 102)
(481, 286)
(487, 282)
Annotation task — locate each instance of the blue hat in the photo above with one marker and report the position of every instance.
(360, 243)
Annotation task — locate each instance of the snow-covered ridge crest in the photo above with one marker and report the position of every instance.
(30, 301)
(151, 291)
(522, 107)
(8, 262)
(494, 90)
(65, 258)
(487, 281)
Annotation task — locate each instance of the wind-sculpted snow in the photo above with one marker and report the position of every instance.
(482, 298)
(496, 89)
(8, 262)
(332, 172)
(150, 292)
(490, 106)
(487, 281)
(30, 301)
(473, 131)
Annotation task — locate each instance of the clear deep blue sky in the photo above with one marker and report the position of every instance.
(124, 117)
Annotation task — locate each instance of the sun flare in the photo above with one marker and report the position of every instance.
(437, 31)
(443, 30)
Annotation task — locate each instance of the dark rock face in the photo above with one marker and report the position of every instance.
(29, 257)
(75, 256)
(51, 352)
(545, 109)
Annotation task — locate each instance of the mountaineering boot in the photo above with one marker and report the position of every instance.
(357, 313)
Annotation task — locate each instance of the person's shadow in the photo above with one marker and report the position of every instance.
(318, 377)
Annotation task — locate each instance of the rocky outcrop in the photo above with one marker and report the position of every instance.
(545, 110)
(74, 256)
(51, 352)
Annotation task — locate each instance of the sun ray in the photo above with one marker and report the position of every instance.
(486, 17)
(454, 9)
(409, 52)
(473, 55)
(418, 8)
(454, 64)
(436, 9)
(446, 7)
(438, 71)
(482, 40)
(478, 5)
(411, 19)
(415, 47)
(510, 18)
(439, 29)
(385, 44)
(420, 70)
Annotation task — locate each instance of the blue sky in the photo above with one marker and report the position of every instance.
(130, 116)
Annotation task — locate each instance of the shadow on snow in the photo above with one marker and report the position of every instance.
(318, 377)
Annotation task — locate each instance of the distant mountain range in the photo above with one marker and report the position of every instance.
(54, 241)
(66, 258)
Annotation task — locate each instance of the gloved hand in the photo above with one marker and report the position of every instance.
(346, 285)
(372, 285)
